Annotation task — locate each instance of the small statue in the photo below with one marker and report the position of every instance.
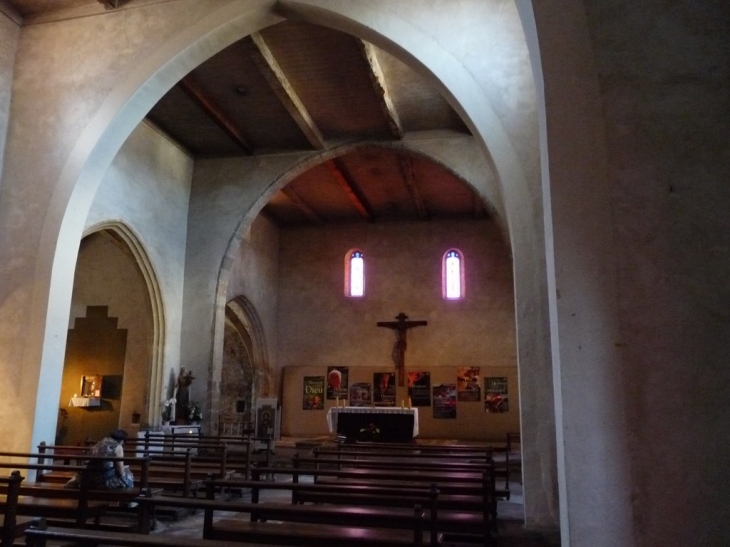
(183, 393)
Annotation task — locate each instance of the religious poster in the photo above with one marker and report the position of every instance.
(336, 383)
(444, 401)
(266, 418)
(313, 393)
(361, 394)
(384, 389)
(467, 384)
(496, 396)
(267, 421)
(419, 388)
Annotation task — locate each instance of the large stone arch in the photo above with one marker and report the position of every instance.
(144, 84)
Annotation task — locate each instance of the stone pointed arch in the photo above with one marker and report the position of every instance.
(144, 83)
(157, 305)
(243, 315)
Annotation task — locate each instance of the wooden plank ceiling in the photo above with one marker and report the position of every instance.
(295, 87)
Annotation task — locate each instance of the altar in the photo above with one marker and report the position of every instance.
(383, 424)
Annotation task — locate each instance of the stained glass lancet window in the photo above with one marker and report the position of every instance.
(453, 275)
(355, 273)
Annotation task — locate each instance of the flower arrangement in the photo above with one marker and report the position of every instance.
(369, 433)
(196, 412)
(167, 409)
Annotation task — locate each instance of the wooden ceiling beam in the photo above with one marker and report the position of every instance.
(381, 90)
(351, 189)
(270, 69)
(409, 180)
(212, 110)
(292, 195)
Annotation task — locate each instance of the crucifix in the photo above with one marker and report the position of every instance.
(401, 327)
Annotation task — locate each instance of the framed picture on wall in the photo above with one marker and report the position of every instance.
(91, 386)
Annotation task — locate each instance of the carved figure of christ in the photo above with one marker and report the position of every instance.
(401, 327)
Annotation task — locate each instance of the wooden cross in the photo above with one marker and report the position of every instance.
(401, 327)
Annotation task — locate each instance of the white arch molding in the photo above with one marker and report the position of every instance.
(145, 84)
(156, 380)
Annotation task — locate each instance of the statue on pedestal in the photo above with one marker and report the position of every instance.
(183, 396)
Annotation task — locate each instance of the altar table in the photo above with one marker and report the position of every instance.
(395, 424)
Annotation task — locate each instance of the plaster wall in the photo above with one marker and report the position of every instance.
(107, 275)
(9, 32)
(255, 276)
(318, 324)
(635, 109)
(147, 189)
(666, 103)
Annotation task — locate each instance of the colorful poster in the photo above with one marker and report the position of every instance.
(313, 393)
(496, 395)
(384, 389)
(361, 394)
(444, 401)
(467, 384)
(336, 383)
(419, 388)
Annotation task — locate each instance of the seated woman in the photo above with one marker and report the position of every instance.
(107, 474)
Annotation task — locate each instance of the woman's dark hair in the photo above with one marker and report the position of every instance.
(119, 435)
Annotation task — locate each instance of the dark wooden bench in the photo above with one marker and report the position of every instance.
(454, 514)
(38, 536)
(304, 525)
(177, 472)
(416, 451)
(474, 488)
(74, 506)
(11, 526)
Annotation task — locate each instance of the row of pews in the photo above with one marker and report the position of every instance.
(35, 489)
(366, 494)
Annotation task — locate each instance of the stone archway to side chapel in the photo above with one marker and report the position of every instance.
(244, 369)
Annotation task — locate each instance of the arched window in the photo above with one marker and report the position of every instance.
(355, 273)
(453, 275)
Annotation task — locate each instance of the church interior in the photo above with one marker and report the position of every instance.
(501, 219)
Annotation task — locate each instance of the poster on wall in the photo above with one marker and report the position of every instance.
(496, 395)
(336, 383)
(313, 393)
(467, 384)
(444, 401)
(267, 418)
(419, 388)
(384, 389)
(361, 394)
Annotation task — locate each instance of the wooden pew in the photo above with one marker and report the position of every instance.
(37, 536)
(454, 514)
(416, 452)
(305, 525)
(472, 491)
(71, 505)
(171, 471)
(10, 527)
